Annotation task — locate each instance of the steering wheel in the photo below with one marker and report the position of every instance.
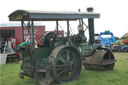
(48, 38)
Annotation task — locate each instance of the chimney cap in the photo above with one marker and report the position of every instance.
(90, 9)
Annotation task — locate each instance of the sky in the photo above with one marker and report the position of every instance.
(114, 13)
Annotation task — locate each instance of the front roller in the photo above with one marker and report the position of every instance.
(68, 63)
(102, 59)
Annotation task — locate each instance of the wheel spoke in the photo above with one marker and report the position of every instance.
(62, 71)
(62, 59)
(68, 55)
(65, 72)
(62, 66)
(59, 69)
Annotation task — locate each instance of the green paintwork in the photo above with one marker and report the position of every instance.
(22, 25)
(31, 58)
(42, 52)
(24, 43)
(33, 44)
(85, 49)
(107, 32)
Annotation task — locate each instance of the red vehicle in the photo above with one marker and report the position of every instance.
(125, 41)
(6, 32)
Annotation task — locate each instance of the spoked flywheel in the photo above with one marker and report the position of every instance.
(68, 64)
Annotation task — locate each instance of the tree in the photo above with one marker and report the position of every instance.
(125, 36)
(117, 38)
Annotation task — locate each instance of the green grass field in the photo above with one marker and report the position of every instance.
(119, 76)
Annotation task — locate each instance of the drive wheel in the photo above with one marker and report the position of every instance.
(68, 65)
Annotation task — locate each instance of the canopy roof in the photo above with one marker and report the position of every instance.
(27, 15)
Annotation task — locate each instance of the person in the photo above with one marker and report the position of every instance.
(80, 29)
(14, 42)
(10, 41)
(0, 43)
(81, 32)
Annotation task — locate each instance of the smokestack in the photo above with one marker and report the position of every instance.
(91, 26)
(79, 10)
(90, 9)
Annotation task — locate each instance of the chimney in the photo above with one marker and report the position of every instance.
(90, 9)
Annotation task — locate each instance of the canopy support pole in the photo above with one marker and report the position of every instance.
(22, 23)
(68, 33)
(33, 34)
(57, 28)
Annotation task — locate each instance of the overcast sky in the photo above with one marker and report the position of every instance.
(114, 13)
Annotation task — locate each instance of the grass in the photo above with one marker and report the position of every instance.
(119, 76)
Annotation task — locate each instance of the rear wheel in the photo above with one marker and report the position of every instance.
(68, 64)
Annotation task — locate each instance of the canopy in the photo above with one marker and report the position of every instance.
(27, 15)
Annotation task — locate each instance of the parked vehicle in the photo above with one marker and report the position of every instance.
(124, 48)
(60, 58)
(116, 48)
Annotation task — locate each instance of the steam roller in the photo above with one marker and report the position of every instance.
(59, 58)
(102, 60)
